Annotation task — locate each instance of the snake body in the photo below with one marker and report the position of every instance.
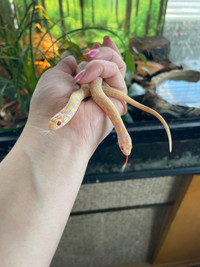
(66, 114)
(100, 93)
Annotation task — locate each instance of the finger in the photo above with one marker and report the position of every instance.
(68, 65)
(108, 70)
(108, 42)
(95, 45)
(107, 53)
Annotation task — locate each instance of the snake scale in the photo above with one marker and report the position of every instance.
(100, 93)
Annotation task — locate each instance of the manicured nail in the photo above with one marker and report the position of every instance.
(96, 45)
(92, 53)
(79, 75)
(106, 37)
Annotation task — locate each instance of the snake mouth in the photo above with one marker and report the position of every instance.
(51, 125)
(54, 125)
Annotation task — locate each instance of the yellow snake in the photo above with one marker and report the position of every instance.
(100, 91)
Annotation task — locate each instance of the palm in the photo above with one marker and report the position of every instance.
(54, 96)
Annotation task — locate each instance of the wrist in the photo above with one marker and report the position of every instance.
(53, 156)
(44, 143)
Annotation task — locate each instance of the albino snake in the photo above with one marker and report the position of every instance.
(100, 91)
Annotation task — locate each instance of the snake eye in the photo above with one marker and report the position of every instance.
(59, 123)
(122, 148)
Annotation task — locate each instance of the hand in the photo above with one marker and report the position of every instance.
(41, 176)
(90, 124)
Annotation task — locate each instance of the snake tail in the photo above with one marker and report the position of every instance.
(123, 97)
(156, 114)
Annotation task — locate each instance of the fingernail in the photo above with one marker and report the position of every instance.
(96, 45)
(106, 37)
(92, 53)
(79, 75)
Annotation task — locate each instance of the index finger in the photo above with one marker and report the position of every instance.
(107, 41)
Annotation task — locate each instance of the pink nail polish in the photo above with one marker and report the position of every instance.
(92, 53)
(96, 45)
(79, 75)
(106, 37)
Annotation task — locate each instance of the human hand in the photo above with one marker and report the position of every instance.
(90, 124)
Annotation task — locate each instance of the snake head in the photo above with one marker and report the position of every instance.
(125, 145)
(55, 123)
(126, 149)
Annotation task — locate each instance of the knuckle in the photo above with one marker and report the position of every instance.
(48, 72)
(95, 64)
(123, 66)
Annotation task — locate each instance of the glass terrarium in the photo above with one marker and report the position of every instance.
(159, 41)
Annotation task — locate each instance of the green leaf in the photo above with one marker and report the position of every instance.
(8, 57)
(16, 93)
(10, 93)
(140, 55)
(4, 80)
(146, 70)
(129, 60)
(4, 28)
(128, 77)
(3, 88)
(43, 55)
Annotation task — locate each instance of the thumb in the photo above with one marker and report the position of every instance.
(67, 65)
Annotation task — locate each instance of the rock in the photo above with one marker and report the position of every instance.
(154, 48)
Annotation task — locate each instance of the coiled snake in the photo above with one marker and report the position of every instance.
(100, 93)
